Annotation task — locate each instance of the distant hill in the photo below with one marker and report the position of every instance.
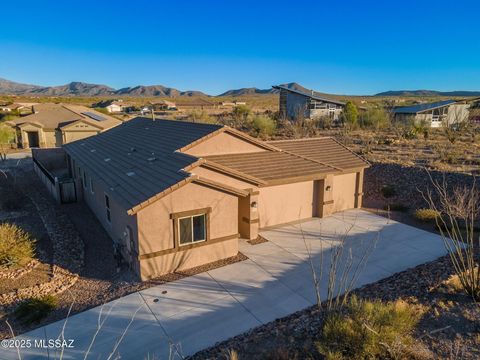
(156, 90)
(14, 88)
(255, 91)
(75, 88)
(78, 88)
(428, 93)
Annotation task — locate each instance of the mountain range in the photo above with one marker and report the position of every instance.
(428, 93)
(78, 88)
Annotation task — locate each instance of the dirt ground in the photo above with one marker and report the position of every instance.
(435, 152)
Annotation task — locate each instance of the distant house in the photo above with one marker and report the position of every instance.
(52, 125)
(198, 103)
(163, 105)
(115, 106)
(232, 103)
(175, 195)
(435, 114)
(11, 107)
(295, 104)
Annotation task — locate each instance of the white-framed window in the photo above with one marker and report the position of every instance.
(107, 209)
(192, 229)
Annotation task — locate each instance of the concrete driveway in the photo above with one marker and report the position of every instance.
(185, 316)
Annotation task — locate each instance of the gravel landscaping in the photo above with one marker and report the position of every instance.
(99, 279)
(449, 329)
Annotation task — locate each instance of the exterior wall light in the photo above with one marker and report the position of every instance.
(328, 188)
(254, 204)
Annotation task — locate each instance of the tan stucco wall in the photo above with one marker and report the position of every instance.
(285, 203)
(78, 135)
(156, 229)
(119, 217)
(344, 187)
(223, 143)
(50, 138)
(183, 260)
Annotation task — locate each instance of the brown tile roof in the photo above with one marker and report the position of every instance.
(271, 166)
(325, 150)
(53, 116)
(138, 160)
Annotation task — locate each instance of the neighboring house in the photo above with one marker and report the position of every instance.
(436, 114)
(164, 105)
(11, 107)
(174, 195)
(115, 106)
(52, 125)
(195, 104)
(296, 104)
(232, 103)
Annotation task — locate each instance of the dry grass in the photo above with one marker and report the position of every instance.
(426, 215)
(16, 246)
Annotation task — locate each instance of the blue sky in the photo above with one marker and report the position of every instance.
(344, 47)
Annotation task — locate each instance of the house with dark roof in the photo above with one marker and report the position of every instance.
(174, 195)
(52, 125)
(434, 114)
(296, 104)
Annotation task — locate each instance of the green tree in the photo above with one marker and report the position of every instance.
(350, 114)
(7, 136)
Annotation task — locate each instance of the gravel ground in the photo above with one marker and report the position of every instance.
(100, 280)
(450, 328)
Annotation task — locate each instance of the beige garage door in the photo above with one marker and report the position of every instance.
(285, 203)
(344, 191)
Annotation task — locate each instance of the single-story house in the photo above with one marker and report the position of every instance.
(435, 114)
(115, 106)
(52, 125)
(174, 195)
(164, 105)
(295, 104)
(11, 107)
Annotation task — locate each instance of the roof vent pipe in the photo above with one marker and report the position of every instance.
(153, 115)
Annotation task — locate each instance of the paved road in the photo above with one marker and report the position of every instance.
(191, 314)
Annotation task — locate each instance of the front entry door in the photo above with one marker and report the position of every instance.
(33, 141)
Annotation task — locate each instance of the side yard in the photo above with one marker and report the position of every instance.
(74, 267)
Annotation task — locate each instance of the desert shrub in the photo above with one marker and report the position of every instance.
(388, 191)
(35, 309)
(264, 125)
(324, 122)
(426, 215)
(16, 246)
(369, 330)
(376, 118)
(396, 207)
(201, 116)
(241, 112)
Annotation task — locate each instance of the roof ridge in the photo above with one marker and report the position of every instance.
(353, 152)
(301, 139)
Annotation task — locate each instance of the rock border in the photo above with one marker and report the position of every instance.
(18, 273)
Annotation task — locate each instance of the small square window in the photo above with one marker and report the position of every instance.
(192, 229)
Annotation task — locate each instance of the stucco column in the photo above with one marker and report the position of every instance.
(326, 188)
(248, 220)
(359, 189)
(254, 218)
